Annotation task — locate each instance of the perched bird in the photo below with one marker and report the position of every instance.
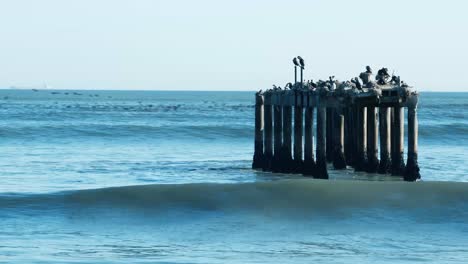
(313, 84)
(357, 83)
(301, 61)
(295, 62)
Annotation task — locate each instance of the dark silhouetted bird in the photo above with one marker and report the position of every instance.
(295, 62)
(301, 61)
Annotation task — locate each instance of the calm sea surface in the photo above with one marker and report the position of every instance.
(154, 176)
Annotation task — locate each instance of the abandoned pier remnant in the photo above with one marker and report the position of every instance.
(355, 122)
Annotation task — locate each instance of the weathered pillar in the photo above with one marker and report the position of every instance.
(353, 135)
(361, 162)
(278, 134)
(268, 129)
(348, 133)
(321, 164)
(372, 140)
(309, 162)
(398, 164)
(329, 134)
(392, 134)
(298, 115)
(384, 127)
(286, 149)
(339, 161)
(412, 167)
(258, 152)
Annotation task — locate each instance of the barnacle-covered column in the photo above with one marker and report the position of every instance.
(286, 149)
(398, 164)
(384, 127)
(412, 167)
(329, 134)
(268, 140)
(339, 161)
(258, 152)
(372, 140)
(278, 131)
(353, 136)
(348, 135)
(321, 164)
(298, 115)
(361, 122)
(309, 162)
(392, 135)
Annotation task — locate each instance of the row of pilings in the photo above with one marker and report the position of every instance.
(351, 130)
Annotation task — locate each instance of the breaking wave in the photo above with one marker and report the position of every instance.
(279, 196)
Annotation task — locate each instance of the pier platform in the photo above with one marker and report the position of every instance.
(356, 125)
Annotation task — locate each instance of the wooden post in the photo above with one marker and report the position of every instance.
(268, 129)
(339, 161)
(372, 140)
(321, 165)
(278, 135)
(384, 127)
(398, 164)
(258, 152)
(361, 163)
(298, 114)
(412, 167)
(309, 162)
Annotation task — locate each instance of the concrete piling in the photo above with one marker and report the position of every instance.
(268, 140)
(398, 164)
(361, 124)
(329, 135)
(412, 167)
(348, 135)
(372, 140)
(286, 149)
(298, 129)
(278, 137)
(321, 163)
(309, 162)
(392, 135)
(339, 161)
(384, 128)
(353, 136)
(258, 151)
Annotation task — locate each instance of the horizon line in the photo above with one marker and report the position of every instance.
(178, 90)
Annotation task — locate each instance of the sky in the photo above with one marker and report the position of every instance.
(229, 45)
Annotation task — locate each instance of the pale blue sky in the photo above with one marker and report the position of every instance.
(229, 45)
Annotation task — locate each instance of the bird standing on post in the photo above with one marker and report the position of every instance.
(296, 64)
(302, 64)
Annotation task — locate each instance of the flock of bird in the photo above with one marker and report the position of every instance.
(356, 84)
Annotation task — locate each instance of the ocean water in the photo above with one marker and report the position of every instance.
(164, 177)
